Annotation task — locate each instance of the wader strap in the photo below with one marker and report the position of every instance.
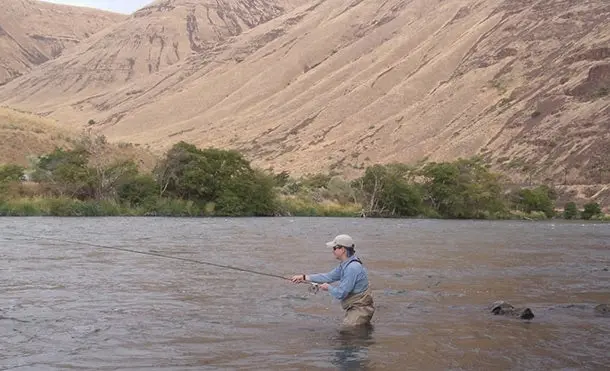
(351, 261)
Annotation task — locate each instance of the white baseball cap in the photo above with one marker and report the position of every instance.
(341, 240)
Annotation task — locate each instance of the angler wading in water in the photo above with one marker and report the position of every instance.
(353, 289)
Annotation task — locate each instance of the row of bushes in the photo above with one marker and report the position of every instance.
(189, 181)
(62, 206)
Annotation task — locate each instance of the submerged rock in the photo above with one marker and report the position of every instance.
(603, 309)
(505, 309)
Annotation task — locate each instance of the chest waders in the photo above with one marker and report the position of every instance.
(359, 308)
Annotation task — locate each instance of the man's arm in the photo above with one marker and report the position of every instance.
(329, 277)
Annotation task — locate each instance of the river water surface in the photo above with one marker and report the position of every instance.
(71, 306)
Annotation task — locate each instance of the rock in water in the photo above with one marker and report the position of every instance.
(526, 314)
(505, 309)
(603, 309)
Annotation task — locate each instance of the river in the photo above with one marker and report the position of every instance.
(72, 306)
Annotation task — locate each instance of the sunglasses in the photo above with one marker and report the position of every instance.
(337, 247)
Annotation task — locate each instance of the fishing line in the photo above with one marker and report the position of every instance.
(314, 285)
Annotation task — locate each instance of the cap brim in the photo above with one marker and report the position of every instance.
(330, 244)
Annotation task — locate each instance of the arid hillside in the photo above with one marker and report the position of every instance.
(24, 137)
(336, 85)
(153, 38)
(33, 32)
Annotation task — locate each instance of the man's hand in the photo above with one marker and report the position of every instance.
(298, 278)
(324, 286)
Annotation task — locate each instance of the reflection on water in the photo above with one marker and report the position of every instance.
(73, 306)
(352, 347)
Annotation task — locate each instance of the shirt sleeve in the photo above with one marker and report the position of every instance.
(347, 283)
(332, 276)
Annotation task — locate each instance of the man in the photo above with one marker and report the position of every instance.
(353, 289)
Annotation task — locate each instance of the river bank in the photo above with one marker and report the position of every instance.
(67, 207)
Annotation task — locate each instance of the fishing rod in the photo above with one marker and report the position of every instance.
(314, 286)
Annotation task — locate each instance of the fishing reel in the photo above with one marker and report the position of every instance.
(313, 288)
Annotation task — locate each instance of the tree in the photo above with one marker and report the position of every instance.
(371, 186)
(386, 191)
(140, 190)
(570, 211)
(88, 171)
(442, 187)
(65, 172)
(105, 180)
(252, 195)
(537, 199)
(221, 177)
(464, 188)
(105, 172)
(590, 210)
(170, 170)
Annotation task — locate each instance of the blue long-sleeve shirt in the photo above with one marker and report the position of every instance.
(353, 278)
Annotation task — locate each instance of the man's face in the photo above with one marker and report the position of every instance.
(338, 252)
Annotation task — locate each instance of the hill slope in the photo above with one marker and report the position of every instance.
(162, 34)
(24, 136)
(33, 32)
(350, 83)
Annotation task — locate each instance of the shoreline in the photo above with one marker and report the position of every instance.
(72, 208)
